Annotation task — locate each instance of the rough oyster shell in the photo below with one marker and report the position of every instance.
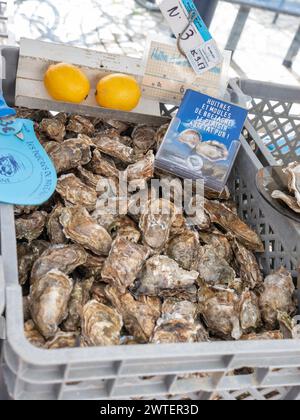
(220, 311)
(184, 249)
(124, 263)
(293, 172)
(250, 272)
(219, 242)
(80, 296)
(33, 335)
(101, 325)
(49, 301)
(139, 316)
(156, 223)
(250, 316)
(93, 266)
(161, 274)
(160, 135)
(80, 125)
(75, 192)
(27, 255)
(278, 295)
(21, 210)
(54, 228)
(32, 226)
(119, 126)
(63, 340)
(197, 214)
(98, 292)
(26, 308)
(126, 228)
(65, 258)
(290, 201)
(102, 166)
(70, 154)
(113, 146)
(221, 215)
(54, 128)
(178, 324)
(213, 269)
(143, 169)
(143, 137)
(266, 335)
(82, 229)
(89, 178)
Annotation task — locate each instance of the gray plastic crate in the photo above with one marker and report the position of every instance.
(152, 370)
(275, 117)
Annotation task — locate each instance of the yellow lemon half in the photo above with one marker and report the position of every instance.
(67, 83)
(118, 91)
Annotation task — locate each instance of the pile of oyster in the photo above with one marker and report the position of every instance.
(292, 198)
(95, 278)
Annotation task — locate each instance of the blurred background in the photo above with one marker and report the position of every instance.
(261, 37)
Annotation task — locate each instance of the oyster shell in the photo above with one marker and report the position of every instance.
(178, 324)
(119, 126)
(113, 146)
(27, 255)
(222, 216)
(65, 258)
(293, 173)
(160, 135)
(219, 242)
(33, 335)
(197, 214)
(184, 249)
(21, 210)
(124, 263)
(75, 192)
(266, 335)
(26, 308)
(89, 178)
(220, 310)
(98, 292)
(63, 340)
(102, 166)
(82, 229)
(49, 301)
(70, 154)
(250, 272)
(54, 128)
(32, 226)
(80, 125)
(93, 266)
(290, 201)
(278, 295)
(126, 228)
(143, 137)
(143, 169)
(139, 316)
(101, 325)
(250, 316)
(54, 228)
(161, 274)
(213, 269)
(79, 297)
(156, 223)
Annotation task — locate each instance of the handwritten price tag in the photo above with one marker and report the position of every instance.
(195, 39)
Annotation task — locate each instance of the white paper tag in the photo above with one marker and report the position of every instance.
(196, 41)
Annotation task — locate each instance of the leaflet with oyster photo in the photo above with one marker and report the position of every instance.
(203, 140)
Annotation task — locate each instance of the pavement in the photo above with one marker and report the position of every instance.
(122, 27)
